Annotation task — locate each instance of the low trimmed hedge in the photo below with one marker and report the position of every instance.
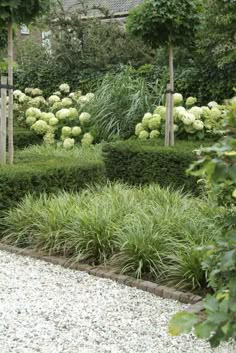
(25, 138)
(46, 176)
(136, 162)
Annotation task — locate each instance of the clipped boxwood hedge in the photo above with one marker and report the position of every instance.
(137, 162)
(25, 138)
(48, 176)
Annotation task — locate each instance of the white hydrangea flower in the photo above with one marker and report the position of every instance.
(188, 119)
(57, 93)
(66, 131)
(147, 117)
(53, 121)
(178, 99)
(40, 127)
(73, 113)
(196, 111)
(28, 91)
(17, 93)
(154, 134)
(22, 98)
(215, 113)
(83, 100)
(33, 112)
(49, 138)
(65, 88)
(198, 125)
(30, 120)
(72, 95)
(53, 99)
(154, 122)
(138, 129)
(160, 109)
(87, 139)
(190, 101)
(36, 92)
(76, 131)
(57, 106)
(90, 96)
(66, 102)
(176, 128)
(212, 104)
(63, 114)
(143, 135)
(84, 118)
(68, 143)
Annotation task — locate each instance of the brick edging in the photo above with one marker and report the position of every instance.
(151, 287)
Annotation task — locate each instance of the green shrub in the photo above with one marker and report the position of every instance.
(52, 170)
(25, 138)
(138, 162)
(146, 232)
(218, 320)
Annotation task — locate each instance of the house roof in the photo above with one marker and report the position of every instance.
(115, 6)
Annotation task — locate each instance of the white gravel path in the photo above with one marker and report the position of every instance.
(49, 309)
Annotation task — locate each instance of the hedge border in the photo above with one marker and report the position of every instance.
(100, 271)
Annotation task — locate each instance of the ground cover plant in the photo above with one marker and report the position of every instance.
(148, 233)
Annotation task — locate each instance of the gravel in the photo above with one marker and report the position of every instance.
(48, 309)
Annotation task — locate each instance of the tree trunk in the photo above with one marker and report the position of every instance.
(171, 68)
(3, 114)
(10, 82)
(167, 125)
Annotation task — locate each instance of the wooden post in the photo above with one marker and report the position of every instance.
(3, 135)
(171, 66)
(10, 82)
(167, 126)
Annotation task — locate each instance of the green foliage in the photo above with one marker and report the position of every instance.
(165, 21)
(48, 169)
(81, 52)
(218, 164)
(25, 138)
(120, 102)
(138, 162)
(218, 26)
(137, 230)
(20, 11)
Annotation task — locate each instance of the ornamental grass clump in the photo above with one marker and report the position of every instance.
(145, 232)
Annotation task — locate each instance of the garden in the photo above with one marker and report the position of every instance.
(123, 159)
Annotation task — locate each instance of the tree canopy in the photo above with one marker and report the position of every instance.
(165, 21)
(21, 11)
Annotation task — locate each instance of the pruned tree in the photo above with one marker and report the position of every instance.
(17, 12)
(166, 23)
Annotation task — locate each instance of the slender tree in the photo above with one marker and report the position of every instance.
(166, 23)
(17, 12)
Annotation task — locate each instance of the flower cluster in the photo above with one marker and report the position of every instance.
(60, 117)
(190, 120)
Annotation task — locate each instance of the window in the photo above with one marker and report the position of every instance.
(24, 29)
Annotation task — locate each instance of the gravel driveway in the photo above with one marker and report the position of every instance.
(49, 309)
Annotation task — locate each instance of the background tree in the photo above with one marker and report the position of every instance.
(18, 12)
(217, 35)
(166, 23)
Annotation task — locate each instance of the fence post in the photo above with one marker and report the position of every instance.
(3, 135)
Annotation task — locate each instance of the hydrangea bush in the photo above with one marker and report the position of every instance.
(190, 120)
(60, 118)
